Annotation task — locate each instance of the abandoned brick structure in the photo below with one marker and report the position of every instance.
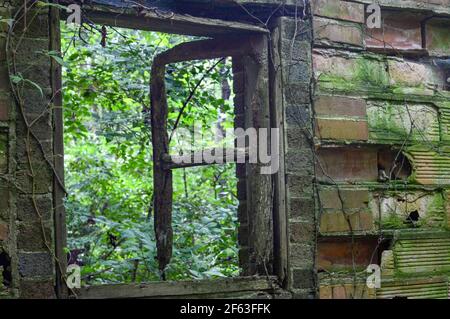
(364, 173)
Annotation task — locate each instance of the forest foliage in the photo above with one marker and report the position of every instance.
(108, 160)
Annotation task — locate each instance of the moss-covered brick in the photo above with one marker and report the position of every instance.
(430, 166)
(349, 72)
(444, 109)
(422, 255)
(396, 207)
(395, 121)
(408, 74)
(447, 207)
(423, 287)
(438, 36)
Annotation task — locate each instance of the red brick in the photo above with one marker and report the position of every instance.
(349, 291)
(3, 232)
(336, 222)
(438, 37)
(400, 31)
(339, 292)
(348, 164)
(339, 9)
(333, 254)
(340, 106)
(326, 292)
(342, 129)
(328, 31)
(351, 198)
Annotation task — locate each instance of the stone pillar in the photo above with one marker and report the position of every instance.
(26, 156)
(295, 47)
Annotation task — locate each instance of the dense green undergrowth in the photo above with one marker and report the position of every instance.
(109, 164)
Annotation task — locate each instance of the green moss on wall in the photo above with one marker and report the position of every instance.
(394, 121)
(362, 73)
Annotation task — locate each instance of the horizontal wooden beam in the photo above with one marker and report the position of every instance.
(225, 46)
(181, 288)
(168, 22)
(173, 161)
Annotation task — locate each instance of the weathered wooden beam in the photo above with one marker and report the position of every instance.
(162, 179)
(280, 222)
(168, 22)
(174, 161)
(259, 186)
(180, 288)
(226, 46)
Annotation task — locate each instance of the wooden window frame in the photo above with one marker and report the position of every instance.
(262, 109)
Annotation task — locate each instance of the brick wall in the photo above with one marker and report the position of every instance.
(380, 106)
(26, 178)
(356, 102)
(295, 48)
